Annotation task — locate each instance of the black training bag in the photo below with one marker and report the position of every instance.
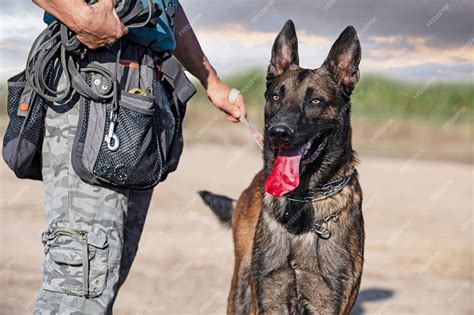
(136, 142)
(23, 137)
(145, 143)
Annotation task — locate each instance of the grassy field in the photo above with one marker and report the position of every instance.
(427, 120)
(390, 117)
(377, 95)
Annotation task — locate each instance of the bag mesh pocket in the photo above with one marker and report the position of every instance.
(23, 139)
(33, 130)
(16, 85)
(135, 164)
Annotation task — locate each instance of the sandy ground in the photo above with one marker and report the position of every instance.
(419, 227)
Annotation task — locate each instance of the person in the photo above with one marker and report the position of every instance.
(113, 219)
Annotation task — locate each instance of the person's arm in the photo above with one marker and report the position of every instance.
(189, 53)
(95, 25)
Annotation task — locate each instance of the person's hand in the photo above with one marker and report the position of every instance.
(218, 93)
(98, 24)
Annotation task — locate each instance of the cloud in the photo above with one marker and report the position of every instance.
(20, 22)
(412, 38)
(246, 38)
(417, 38)
(403, 51)
(329, 17)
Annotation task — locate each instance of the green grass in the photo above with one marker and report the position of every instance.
(376, 96)
(435, 116)
(373, 95)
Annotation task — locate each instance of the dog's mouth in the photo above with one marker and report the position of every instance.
(285, 174)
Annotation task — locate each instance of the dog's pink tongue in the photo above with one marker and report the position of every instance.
(285, 174)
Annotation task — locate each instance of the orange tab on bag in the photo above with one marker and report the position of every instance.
(129, 63)
(24, 106)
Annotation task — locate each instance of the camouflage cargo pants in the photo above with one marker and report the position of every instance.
(92, 234)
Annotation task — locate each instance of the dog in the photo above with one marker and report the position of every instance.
(298, 228)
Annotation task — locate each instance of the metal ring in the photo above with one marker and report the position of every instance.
(322, 232)
(116, 144)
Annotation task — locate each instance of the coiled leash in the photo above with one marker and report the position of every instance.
(57, 46)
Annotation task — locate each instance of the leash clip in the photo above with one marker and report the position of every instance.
(322, 231)
(111, 138)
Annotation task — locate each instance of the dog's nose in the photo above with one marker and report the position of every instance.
(280, 134)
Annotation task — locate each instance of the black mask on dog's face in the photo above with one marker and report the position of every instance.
(305, 106)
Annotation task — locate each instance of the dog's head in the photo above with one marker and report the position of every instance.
(306, 107)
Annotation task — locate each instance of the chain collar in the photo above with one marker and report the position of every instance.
(327, 190)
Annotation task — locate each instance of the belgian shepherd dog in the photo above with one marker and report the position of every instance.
(298, 228)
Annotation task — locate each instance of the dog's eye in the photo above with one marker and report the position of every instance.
(315, 101)
(275, 97)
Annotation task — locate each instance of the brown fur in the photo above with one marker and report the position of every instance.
(244, 222)
(282, 266)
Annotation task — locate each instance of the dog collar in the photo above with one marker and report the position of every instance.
(327, 190)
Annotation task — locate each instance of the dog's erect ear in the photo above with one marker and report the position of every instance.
(343, 59)
(284, 51)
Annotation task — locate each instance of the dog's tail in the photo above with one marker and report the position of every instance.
(222, 206)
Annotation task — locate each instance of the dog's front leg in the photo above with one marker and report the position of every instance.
(239, 301)
(273, 281)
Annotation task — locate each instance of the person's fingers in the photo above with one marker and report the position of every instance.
(231, 119)
(89, 44)
(240, 104)
(124, 30)
(231, 109)
(107, 4)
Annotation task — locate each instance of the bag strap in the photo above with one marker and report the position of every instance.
(177, 79)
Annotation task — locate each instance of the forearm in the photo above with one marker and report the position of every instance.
(69, 12)
(189, 52)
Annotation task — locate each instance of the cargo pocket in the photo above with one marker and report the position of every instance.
(76, 261)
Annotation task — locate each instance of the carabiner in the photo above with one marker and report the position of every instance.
(112, 136)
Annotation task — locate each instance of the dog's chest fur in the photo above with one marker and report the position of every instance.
(316, 262)
(299, 218)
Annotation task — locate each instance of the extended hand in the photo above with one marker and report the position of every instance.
(218, 93)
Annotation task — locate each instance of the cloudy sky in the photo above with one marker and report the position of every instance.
(410, 39)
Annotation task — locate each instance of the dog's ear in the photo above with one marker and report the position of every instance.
(284, 51)
(343, 59)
